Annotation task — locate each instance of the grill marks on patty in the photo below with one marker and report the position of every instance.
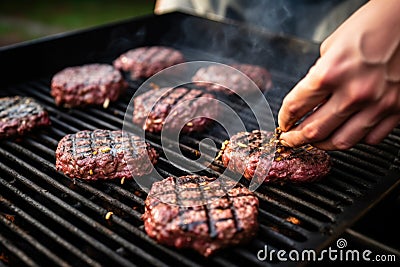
(202, 213)
(152, 108)
(19, 115)
(144, 62)
(254, 155)
(104, 154)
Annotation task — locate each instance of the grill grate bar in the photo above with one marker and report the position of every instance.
(62, 222)
(31, 241)
(111, 201)
(125, 193)
(245, 254)
(45, 231)
(109, 114)
(305, 204)
(289, 210)
(59, 124)
(82, 217)
(276, 238)
(332, 193)
(287, 236)
(289, 222)
(18, 253)
(144, 237)
(112, 118)
(390, 142)
(375, 161)
(51, 108)
(39, 146)
(385, 154)
(94, 120)
(314, 197)
(356, 185)
(358, 167)
(221, 261)
(341, 185)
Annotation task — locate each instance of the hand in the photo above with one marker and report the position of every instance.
(354, 87)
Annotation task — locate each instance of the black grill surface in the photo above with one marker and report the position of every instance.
(47, 219)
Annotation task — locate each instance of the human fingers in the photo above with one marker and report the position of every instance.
(353, 130)
(390, 106)
(381, 130)
(304, 97)
(321, 123)
(369, 120)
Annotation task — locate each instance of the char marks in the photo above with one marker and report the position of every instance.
(19, 115)
(104, 154)
(199, 212)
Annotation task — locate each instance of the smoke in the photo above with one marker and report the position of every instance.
(275, 16)
(300, 18)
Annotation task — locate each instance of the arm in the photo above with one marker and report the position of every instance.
(354, 87)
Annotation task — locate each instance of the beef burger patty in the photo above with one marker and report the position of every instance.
(218, 78)
(92, 84)
(205, 214)
(19, 115)
(152, 108)
(247, 152)
(104, 154)
(144, 62)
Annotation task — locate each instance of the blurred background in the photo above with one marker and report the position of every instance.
(26, 20)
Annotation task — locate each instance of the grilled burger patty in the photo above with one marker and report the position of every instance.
(205, 214)
(215, 78)
(144, 62)
(19, 115)
(245, 151)
(92, 84)
(104, 154)
(152, 108)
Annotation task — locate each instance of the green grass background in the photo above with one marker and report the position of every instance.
(26, 20)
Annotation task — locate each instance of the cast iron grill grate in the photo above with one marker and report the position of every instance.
(46, 219)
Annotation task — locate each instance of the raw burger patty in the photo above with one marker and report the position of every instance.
(200, 213)
(92, 84)
(144, 62)
(19, 115)
(245, 151)
(103, 154)
(152, 108)
(215, 78)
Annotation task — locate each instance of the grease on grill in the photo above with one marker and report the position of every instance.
(108, 215)
(3, 257)
(293, 220)
(9, 217)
